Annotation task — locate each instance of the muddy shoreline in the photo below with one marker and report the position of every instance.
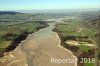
(38, 45)
(75, 49)
(16, 41)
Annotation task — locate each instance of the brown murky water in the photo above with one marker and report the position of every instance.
(38, 50)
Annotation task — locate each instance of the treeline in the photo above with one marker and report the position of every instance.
(9, 12)
(15, 28)
(91, 19)
(83, 31)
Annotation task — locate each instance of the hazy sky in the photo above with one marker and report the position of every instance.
(47, 4)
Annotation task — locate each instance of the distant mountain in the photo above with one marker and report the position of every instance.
(9, 12)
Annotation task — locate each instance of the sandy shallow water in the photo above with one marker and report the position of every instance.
(37, 50)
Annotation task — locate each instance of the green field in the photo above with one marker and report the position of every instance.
(89, 64)
(12, 26)
(77, 30)
(83, 32)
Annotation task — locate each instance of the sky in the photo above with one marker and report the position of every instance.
(48, 4)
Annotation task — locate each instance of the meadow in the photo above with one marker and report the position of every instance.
(81, 31)
(14, 26)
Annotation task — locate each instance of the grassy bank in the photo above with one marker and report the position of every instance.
(15, 28)
(78, 32)
(10, 36)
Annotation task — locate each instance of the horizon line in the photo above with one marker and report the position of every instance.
(52, 9)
